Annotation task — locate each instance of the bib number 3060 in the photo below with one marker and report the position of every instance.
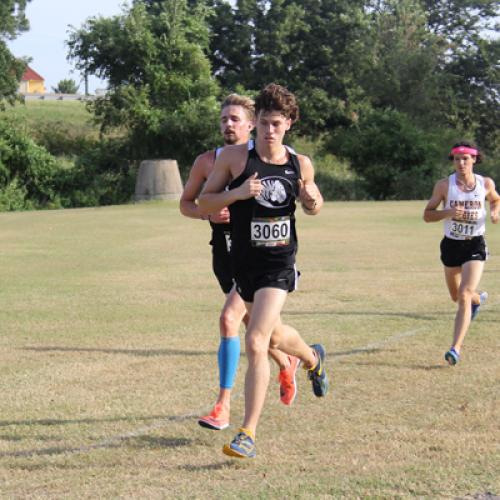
(270, 232)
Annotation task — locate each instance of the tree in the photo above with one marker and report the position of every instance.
(470, 63)
(314, 47)
(424, 85)
(403, 69)
(12, 22)
(396, 158)
(160, 86)
(461, 22)
(66, 86)
(12, 18)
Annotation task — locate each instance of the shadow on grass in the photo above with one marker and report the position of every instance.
(137, 442)
(409, 315)
(78, 421)
(132, 352)
(352, 352)
(404, 366)
(152, 442)
(217, 466)
(55, 450)
(126, 439)
(10, 438)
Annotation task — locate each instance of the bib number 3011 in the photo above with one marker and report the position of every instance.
(270, 232)
(461, 229)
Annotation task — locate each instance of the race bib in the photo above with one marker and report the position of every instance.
(461, 229)
(270, 232)
(227, 236)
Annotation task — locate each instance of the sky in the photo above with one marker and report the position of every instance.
(45, 41)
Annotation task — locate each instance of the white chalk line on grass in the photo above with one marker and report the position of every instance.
(114, 440)
(141, 431)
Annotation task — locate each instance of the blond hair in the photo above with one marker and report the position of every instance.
(239, 100)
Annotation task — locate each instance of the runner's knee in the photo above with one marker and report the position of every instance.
(256, 345)
(465, 295)
(229, 323)
(276, 339)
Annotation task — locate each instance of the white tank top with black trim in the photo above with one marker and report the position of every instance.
(473, 202)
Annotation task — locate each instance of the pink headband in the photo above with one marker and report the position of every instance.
(465, 150)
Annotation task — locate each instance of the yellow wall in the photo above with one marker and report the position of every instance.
(35, 87)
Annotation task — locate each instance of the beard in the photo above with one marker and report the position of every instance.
(230, 138)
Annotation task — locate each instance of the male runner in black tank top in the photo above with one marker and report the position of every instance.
(236, 123)
(264, 184)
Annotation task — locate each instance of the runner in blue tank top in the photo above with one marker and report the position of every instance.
(264, 184)
(463, 248)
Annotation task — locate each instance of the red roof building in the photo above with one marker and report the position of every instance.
(31, 82)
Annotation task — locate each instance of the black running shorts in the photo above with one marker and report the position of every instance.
(249, 281)
(454, 253)
(221, 265)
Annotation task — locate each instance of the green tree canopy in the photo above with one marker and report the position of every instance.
(395, 158)
(12, 22)
(314, 47)
(160, 85)
(13, 18)
(66, 86)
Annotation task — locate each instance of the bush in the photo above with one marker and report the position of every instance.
(394, 158)
(27, 171)
(13, 197)
(337, 188)
(334, 177)
(100, 176)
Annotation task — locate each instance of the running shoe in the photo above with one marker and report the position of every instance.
(452, 357)
(483, 297)
(215, 420)
(242, 446)
(317, 375)
(288, 383)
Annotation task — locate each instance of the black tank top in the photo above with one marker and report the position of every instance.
(263, 228)
(221, 233)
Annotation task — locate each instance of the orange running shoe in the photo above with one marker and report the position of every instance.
(288, 384)
(215, 421)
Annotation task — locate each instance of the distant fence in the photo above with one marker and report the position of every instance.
(58, 97)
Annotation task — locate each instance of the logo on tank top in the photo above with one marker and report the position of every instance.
(274, 192)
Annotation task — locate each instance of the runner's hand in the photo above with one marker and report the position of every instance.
(495, 217)
(309, 194)
(457, 213)
(221, 217)
(250, 188)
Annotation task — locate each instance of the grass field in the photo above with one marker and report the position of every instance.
(108, 339)
(36, 114)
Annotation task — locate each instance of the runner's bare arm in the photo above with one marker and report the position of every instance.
(494, 198)
(228, 165)
(310, 196)
(431, 213)
(197, 176)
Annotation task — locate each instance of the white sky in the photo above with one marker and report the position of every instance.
(44, 42)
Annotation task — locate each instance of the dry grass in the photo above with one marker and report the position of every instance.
(108, 324)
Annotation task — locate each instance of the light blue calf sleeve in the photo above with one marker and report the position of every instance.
(228, 357)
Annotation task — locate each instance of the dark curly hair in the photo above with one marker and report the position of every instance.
(467, 144)
(275, 97)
